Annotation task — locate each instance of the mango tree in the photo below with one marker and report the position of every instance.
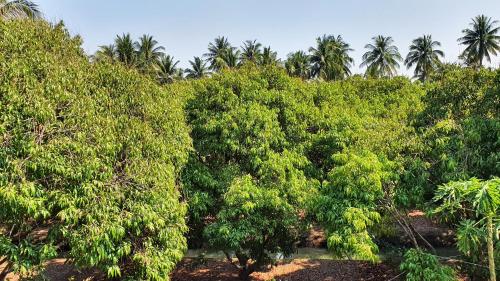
(245, 182)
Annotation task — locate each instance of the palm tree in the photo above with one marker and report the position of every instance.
(221, 54)
(148, 51)
(424, 55)
(481, 41)
(343, 60)
(166, 69)
(106, 52)
(198, 68)
(19, 9)
(330, 59)
(125, 51)
(382, 57)
(268, 57)
(231, 58)
(297, 64)
(251, 51)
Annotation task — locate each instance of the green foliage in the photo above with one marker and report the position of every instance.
(464, 200)
(246, 172)
(421, 266)
(473, 198)
(481, 40)
(330, 58)
(297, 65)
(265, 139)
(382, 58)
(13, 9)
(425, 56)
(92, 153)
(347, 205)
(145, 55)
(255, 221)
(458, 132)
(89, 159)
(474, 204)
(460, 93)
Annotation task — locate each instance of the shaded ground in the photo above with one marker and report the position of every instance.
(301, 253)
(216, 270)
(315, 238)
(437, 234)
(296, 270)
(313, 262)
(58, 270)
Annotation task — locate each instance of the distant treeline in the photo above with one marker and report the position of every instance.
(329, 60)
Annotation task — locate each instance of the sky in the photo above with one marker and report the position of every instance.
(185, 27)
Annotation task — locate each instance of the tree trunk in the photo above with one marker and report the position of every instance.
(246, 268)
(245, 272)
(491, 257)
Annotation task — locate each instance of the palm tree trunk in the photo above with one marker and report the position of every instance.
(491, 257)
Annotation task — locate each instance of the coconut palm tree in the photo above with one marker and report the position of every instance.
(19, 9)
(148, 51)
(198, 68)
(106, 52)
(481, 40)
(251, 51)
(320, 55)
(125, 51)
(166, 69)
(268, 57)
(343, 61)
(297, 64)
(382, 57)
(231, 58)
(330, 59)
(424, 55)
(221, 54)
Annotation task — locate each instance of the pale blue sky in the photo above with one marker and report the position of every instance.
(185, 27)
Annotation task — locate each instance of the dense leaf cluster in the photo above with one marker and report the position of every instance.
(273, 154)
(458, 132)
(89, 159)
(421, 266)
(346, 148)
(473, 206)
(97, 161)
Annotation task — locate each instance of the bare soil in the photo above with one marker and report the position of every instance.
(59, 270)
(213, 270)
(296, 270)
(437, 234)
(304, 268)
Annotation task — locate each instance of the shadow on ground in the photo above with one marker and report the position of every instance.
(297, 270)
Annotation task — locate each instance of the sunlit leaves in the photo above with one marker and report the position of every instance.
(247, 172)
(472, 198)
(90, 158)
(347, 205)
(474, 204)
(421, 266)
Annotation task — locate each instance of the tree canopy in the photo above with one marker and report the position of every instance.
(116, 164)
(90, 156)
